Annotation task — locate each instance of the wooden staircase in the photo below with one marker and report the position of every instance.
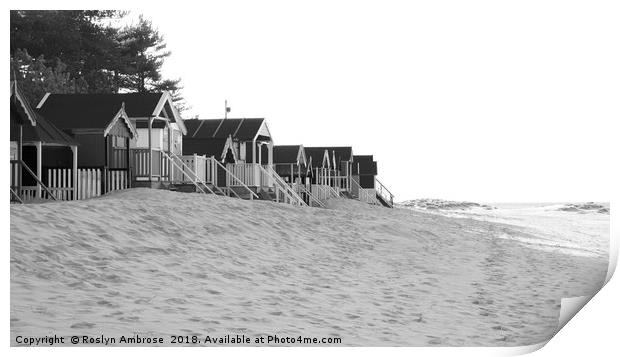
(384, 196)
(281, 190)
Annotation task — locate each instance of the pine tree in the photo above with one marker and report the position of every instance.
(79, 51)
(79, 39)
(144, 50)
(35, 78)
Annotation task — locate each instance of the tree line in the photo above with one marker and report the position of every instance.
(81, 51)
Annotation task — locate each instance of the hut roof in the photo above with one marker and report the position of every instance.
(286, 154)
(239, 129)
(94, 111)
(40, 129)
(364, 165)
(210, 147)
(47, 133)
(315, 156)
(341, 153)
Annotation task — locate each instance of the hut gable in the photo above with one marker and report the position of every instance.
(121, 126)
(317, 157)
(20, 106)
(39, 128)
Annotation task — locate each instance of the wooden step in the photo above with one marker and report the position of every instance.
(242, 192)
(267, 195)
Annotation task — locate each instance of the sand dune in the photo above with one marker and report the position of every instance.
(159, 263)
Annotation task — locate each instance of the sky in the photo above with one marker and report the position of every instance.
(484, 101)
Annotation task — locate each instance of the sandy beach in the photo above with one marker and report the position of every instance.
(159, 263)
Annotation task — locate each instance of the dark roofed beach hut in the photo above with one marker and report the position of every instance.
(103, 130)
(364, 170)
(200, 142)
(154, 135)
(39, 153)
(242, 144)
(365, 185)
(245, 147)
(251, 137)
(290, 162)
(331, 166)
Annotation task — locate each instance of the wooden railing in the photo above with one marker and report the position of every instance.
(140, 163)
(323, 192)
(195, 167)
(60, 182)
(288, 195)
(385, 194)
(340, 183)
(233, 180)
(116, 179)
(303, 192)
(333, 179)
(267, 176)
(248, 174)
(15, 196)
(89, 183)
(27, 192)
(367, 195)
(176, 162)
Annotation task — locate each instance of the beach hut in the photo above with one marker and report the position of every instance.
(364, 183)
(144, 146)
(243, 150)
(40, 152)
(102, 128)
(209, 154)
(290, 162)
(245, 145)
(331, 166)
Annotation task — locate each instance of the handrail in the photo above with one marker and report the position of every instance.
(235, 177)
(362, 191)
(334, 191)
(281, 182)
(359, 188)
(21, 162)
(178, 167)
(16, 195)
(383, 187)
(279, 185)
(386, 189)
(192, 172)
(214, 173)
(311, 195)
